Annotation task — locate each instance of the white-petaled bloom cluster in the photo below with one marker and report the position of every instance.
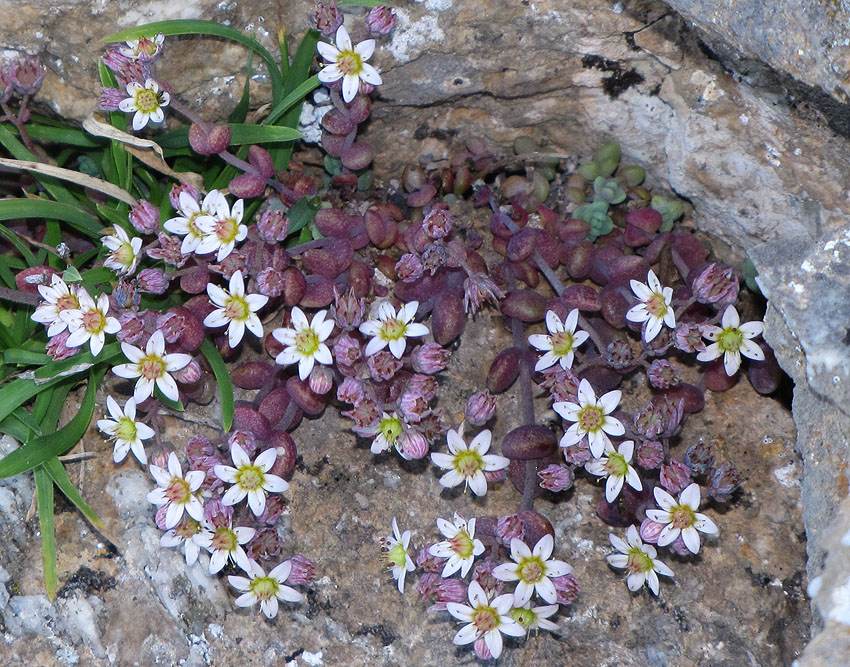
(145, 102)
(304, 342)
(681, 517)
(236, 310)
(639, 561)
(592, 418)
(466, 464)
(264, 588)
(58, 297)
(460, 546)
(152, 367)
(185, 223)
(251, 480)
(125, 430)
(392, 329)
(182, 534)
(124, 252)
(395, 552)
(89, 322)
(177, 492)
(654, 307)
(532, 570)
(732, 339)
(223, 229)
(615, 465)
(348, 63)
(487, 619)
(144, 48)
(560, 345)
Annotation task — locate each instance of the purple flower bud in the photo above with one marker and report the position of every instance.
(660, 418)
(448, 590)
(619, 354)
(381, 19)
(577, 454)
(509, 527)
(662, 374)
(246, 440)
(348, 310)
(109, 100)
(413, 406)
(434, 256)
(428, 562)
(425, 385)
(478, 288)
(27, 75)
(144, 217)
(723, 482)
(561, 383)
(649, 454)
(438, 223)
(409, 268)
(427, 580)
(265, 544)
(218, 514)
(347, 350)
(412, 445)
(57, 348)
(430, 358)
(700, 458)
(171, 324)
(482, 651)
(717, 284)
(480, 408)
(688, 337)
(567, 587)
(303, 571)
(365, 416)
(152, 281)
(198, 447)
(327, 18)
(189, 374)
(383, 365)
(207, 466)
(556, 478)
(270, 282)
(273, 226)
(177, 189)
(168, 250)
(275, 507)
(132, 327)
(675, 477)
(482, 572)
(321, 380)
(350, 391)
(650, 530)
(159, 517)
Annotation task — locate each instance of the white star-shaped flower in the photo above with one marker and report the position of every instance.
(681, 517)
(58, 297)
(236, 310)
(532, 570)
(639, 561)
(395, 552)
(225, 542)
(489, 619)
(348, 63)
(392, 329)
(90, 322)
(223, 229)
(183, 533)
(124, 252)
(146, 102)
(305, 342)
(152, 367)
(185, 224)
(264, 588)
(731, 340)
(468, 463)
(592, 418)
(535, 618)
(461, 546)
(177, 492)
(125, 430)
(615, 464)
(561, 342)
(250, 479)
(654, 307)
(144, 48)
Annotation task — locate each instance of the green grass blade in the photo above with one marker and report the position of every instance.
(83, 361)
(211, 28)
(60, 477)
(21, 247)
(240, 111)
(40, 449)
(66, 136)
(25, 357)
(13, 209)
(44, 499)
(222, 376)
(20, 152)
(301, 215)
(293, 98)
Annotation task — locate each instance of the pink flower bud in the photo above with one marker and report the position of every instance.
(270, 282)
(650, 530)
(412, 445)
(509, 527)
(723, 482)
(273, 226)
(275, 508)
(132, 327)
(245, 439)
(144, 217)
(649, 454)
(567, 587)
(577, 454)
(556, 478)
(482, 651)
(266, 544)
(217, 514)
(430, 358)
(561, 383)
(430, 564)
(152, 281)
(424, 385)
(198, 447)
(480, 408)
(383, 365)
(57, 348)
(109, 100)
(662, 374)
(477, 289)
(413, 406)
(177, 189)
(347, 350)
(716, 284)
(321, 379)
(700, 458)
(381, 20)
(350, 391)
(27, 75)
(482, 572)
(675, 476)
(303, 571)
(327, 18)
(409, 268)
(189, 374)
(688, 337)
(347, 310)
(168, 250)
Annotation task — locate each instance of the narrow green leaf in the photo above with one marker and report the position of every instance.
(40, 449)
(44, 499)
(25, 357)
(222, 376)
(117, 216)
(22, 247)
(240, 111)
(13, 209)
(20, 152)
(27, 421)
(97, 276)
(67, 136)
(15, 427)
(302, 214)
(196, 27)
(59, 475)
(66, 367)
(121, 159)
(296, 96)
(174, 405)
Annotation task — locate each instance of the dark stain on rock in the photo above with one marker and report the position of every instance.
(384, 633)
(86, 581)
(618, 80)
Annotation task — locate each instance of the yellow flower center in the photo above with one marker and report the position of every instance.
(250, 478)
(224, 539)
(393, 329)
(638, 561)
(236, 308)
(730, 339)
(390, 428)
(485, 618)
(147, 101)
(468, 462)
(152, 367)
(531, 570)
(350, 63)
(395, 556)
(682, 516)
(591, 418)
(126, 429)
(525, 617)
(306, 342)
(562, 343)
(226, 230)
(462, 544)
(67, 302)
(656, 305)
(124, 255)
(178, 491)
(616, 465)
(264, 588)
(94, 321)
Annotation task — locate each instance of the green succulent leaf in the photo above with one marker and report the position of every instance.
(608, 189)
(670, 210)
(596, 214)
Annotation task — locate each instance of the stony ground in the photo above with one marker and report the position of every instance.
(740, 602)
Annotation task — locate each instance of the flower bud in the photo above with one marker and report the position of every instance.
(275, 507)
(577, 454)
(482, 572)
(619, 355)
(509, 527)
(724, 481)
(177, 189)
(413, 406)
(327, 18)
(649, 454)
(321, 379)
(271, 282)
(27, 75)
(438, 223)
(688, 337)
(676, 476)
(217, 514)
(132, 327)
(412, 445)
(152, 281)
(209, 140)
(303, 571)
(430, 358)
(189, 374)
(662, 374)
(717, 284)
(381, 19)
(650, 530)
(350, 391)
(266, 544)
(482, 651)
(567, 587)
(556, 478)
(700, 458)
(57, 346)
(109, 100)
(273, 225)
(197, 448)
(409, 268)
(480, 408)
(144, 217)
